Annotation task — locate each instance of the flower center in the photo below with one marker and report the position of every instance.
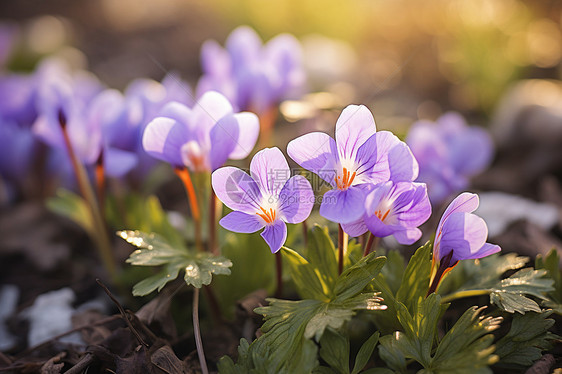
(268, 216)
(345, 180)
(194, 157)
(382, 216)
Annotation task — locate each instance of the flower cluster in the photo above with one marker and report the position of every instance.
(251, 75)
(449, 152)
(373, 186)
(372, 177)
(104, 126)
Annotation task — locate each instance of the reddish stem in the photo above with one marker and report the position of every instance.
(445, 266)
(373, 242)
(279, 271)
(305, 233)
(267, 120)
(340, 249)
(100, 183)
(213, 248)
(183, 174)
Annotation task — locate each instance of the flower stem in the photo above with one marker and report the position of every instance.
(305, 233)
(183, 174)
(197, 333)
(100, 183)
(342, 247)
(267, 121)
(279, 271)
(373, 242)
(461, 294)
(445, 265)
(100, 236)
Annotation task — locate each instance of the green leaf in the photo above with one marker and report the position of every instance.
(324, 370)
(143, 213)
(157, 281)
(154, 250)
(390, 351)
(285, 346)
(283, 339)
(526, 339)
(334, 349)
(307, 279)
(72, 206)
(466, 348)
(200, 268)
(420, 327)
(355, 278)
(354, 253)
(481, 273)
(415, 281)
(393, 271)
(378, 371)
(365, 353)
(551, 263)
(509, 294)
(321, 252)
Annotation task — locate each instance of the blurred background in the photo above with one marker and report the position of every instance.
(411, 59)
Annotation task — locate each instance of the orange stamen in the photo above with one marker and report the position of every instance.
(268, 217)
(344, 181)
(381, 216)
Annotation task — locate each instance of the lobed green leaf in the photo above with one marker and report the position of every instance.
(154, 250)
(415, 281)
(334, 349)
(365, 353)
(551, 263)
(526, 339)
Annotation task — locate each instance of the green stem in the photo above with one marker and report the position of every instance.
(462, 294)
(197, 333)
(100, 236)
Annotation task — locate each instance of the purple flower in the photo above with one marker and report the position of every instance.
(17, 149)
(202, 138)
(358, 158)
(449, 153)
(58, 102)
(152, 96)
(119, 121)
(253, 76)
(17, 98)
(265, 198)
(460, 234)
(394, 209)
